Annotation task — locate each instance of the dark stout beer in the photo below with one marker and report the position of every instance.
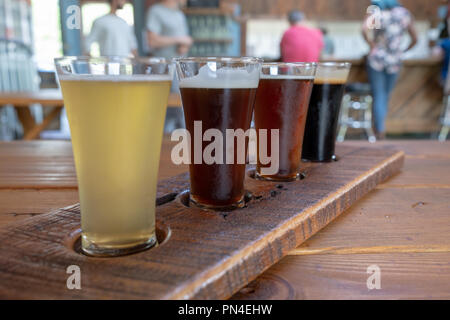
(282, 103)
(323, 113)
(218, 185)
(323, 117)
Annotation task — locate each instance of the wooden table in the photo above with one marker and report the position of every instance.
(403, 226)
(49, 98)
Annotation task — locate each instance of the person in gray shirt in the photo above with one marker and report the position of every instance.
(168, 37)
(167, 30)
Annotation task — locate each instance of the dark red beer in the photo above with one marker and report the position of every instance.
(282, 103)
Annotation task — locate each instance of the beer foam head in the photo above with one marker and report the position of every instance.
(223, 78)
(288, 71)
(115, 78)
(330, 73)
(286, 77)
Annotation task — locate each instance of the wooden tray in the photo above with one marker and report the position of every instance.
(202, 255)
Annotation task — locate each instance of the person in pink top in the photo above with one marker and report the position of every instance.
(301, 43)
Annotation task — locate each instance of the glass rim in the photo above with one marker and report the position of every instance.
(335, 64)
(107, 59)
(289, 64)
(248, 60)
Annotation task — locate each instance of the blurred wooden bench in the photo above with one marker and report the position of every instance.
(49, 98)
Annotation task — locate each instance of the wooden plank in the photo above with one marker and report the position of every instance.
(331, 9)
(26, 119)
(17, 205)
(208, 255)
(426, 164)
(412, 148)
(37, 172)
(388, 220)
(49, 164)
(45, 97)
(422, 173)
(403, 276)
(35, 132)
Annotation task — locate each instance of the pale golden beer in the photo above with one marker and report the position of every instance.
(116, 124)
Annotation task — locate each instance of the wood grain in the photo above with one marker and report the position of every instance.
(339, 277)
(331, 9)
(50, 165)
(35, 131)
(45, 97)
(425, 149)
(17, 205)
(426, 164)
(404, 225)
(326, 9)
(208, 255)
(414, 217)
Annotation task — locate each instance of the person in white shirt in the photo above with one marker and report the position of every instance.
(113, 34)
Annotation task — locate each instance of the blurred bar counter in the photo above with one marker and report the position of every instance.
(417, 99)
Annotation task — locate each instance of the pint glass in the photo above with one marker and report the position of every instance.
(218, 96)
(281, 104)
(323, 113)
(116, 109)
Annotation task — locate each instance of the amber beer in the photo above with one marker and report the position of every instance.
(323, 114)
(282, 103)
(221, 95)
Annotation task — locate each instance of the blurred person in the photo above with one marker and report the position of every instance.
(385, 56)
(168, 37)
(167, 30)
(442, 51)
(444, 24)
(301, 43)
(113, 34)
(329, 47)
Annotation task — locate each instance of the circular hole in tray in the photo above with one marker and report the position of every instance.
(252, 174)
(184, 199)
(74, 239)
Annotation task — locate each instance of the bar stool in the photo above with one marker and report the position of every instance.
(357, 111)
(445, 119)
